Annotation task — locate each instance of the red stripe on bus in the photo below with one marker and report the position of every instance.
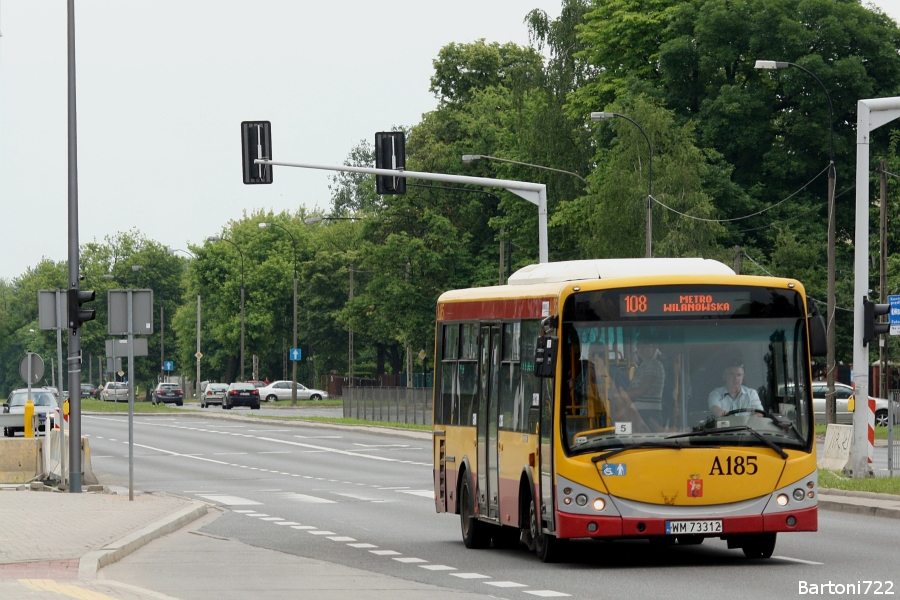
(525, 308)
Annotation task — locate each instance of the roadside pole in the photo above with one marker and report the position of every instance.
(62, 420)
(198, 355)
(74, 361)
(130, 397)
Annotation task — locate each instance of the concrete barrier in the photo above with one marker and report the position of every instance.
(21, 459)
(24, 459)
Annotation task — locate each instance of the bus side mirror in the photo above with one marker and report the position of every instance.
(818, 345)
(545, 356)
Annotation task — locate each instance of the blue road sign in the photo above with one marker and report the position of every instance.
(296, 354)
(168, 365)
(894, 312)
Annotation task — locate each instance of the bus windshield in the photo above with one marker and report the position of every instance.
(727, 368)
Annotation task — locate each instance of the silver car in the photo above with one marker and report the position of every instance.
(114, 390)
(45, 408)
(213, 393)
(843, 393)
(281, 390)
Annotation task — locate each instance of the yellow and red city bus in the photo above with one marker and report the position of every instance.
(546, 428)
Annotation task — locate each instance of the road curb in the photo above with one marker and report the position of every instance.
(860, 503)
(852, 494)
(97, 559)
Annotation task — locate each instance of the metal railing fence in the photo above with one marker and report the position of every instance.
(389, 404)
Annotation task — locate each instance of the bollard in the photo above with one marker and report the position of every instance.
(29, 419)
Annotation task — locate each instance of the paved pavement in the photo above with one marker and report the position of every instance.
(95, 546)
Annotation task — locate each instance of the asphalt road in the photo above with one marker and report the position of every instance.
(366, 500)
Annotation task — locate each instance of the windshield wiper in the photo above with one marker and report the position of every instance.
(614, 451)
(734, 429)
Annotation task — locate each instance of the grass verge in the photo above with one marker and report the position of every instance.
(94, 405)
(881, 433)
(880, 485)
(305, 403)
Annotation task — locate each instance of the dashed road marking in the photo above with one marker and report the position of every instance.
(409, 559)
(546, 593)
(799, 560)
(385, 552)
(231, 500)
(505, 584)
(438, 567)
(470, 575)
(362, 545)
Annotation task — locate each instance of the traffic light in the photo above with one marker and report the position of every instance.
(256, 142)
(77, 314)
(390, 153)
(871, 327)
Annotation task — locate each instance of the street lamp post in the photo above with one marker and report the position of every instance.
(350, 352)
(172, 251)
(830, 402)
(596, 117)
(293, 362)
(215, 238)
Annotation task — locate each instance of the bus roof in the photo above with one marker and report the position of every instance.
(609, 268)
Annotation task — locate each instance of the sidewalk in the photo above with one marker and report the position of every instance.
(54, 545)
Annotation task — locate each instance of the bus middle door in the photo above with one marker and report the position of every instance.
(488, 414)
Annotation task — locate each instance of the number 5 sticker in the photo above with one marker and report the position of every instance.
(623, 428)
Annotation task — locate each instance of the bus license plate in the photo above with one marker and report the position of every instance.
(692, 527)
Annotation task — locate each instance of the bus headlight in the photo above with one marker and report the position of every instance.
(581, 499)
(799, 494)
(782, 500)
(599, 504)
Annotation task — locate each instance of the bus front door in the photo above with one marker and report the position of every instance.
(488, 414)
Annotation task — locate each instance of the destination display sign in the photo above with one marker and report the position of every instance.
(674, 304)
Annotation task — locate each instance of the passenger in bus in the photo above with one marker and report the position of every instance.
(734, 397)
(609, 400)
(646, 386)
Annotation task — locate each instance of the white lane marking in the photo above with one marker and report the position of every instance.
(320, 437)
(356, 496)
(383, 445)
(344, 452)
(302, 527)
(287, 523)
(438, 567)
(423, 493)
(546, 593)
(361, 545)
(799, 560)
(320, 532)
(112, 440)
(384, 552)
(404, 487)
(470, 575)
(341, 538)
(261, 430)
(305, 498)
(244, 510)
(506, 584)
(228, 453)
(231, 500)
(272, 519)
(410, 560)
(256, 515)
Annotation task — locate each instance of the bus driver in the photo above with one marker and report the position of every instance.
(734, 397)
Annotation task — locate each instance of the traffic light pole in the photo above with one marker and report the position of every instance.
(871, 114)
(536, 193)
(74, 362)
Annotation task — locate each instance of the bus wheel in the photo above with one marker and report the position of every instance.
(547, 547)
(475, 534)
(759, 545)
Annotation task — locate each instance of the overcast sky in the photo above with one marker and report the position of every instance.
(164, 85)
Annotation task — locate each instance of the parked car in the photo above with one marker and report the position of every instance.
(45, 408)
(114, 390)
(843, 393)
(166, 393)
(241, 394)
(281, 390)
(87, 390)
(213, 393)
(257, 383)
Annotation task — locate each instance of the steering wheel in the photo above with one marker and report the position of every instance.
(739, 411)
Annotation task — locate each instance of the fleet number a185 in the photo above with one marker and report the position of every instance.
(734, 465)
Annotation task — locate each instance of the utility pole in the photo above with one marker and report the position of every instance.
(502, 253)
(737, 259)
(162, 343)
(830, 368)
(197, 387)
(882, 286)
(74, 359)
(350, 341)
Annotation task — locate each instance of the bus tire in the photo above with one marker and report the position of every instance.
(759, 545)
(475, 534)
(547, 547)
